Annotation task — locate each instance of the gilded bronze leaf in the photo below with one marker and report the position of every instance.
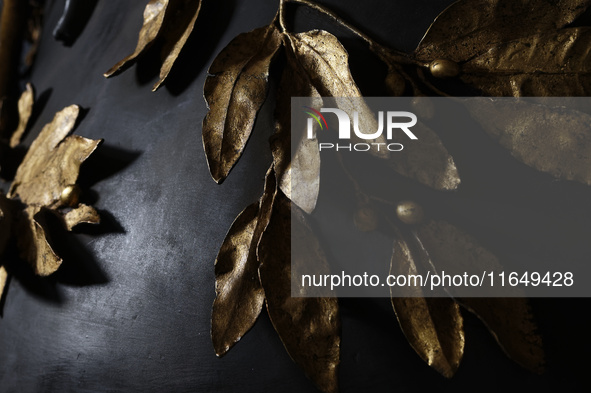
(326, 64)
(3, 280)
(550, 139)
(83, 214)
(50, 168)
(25, 108)
(469, 28)
(509, 320)
(426, 160)
(154, 14)
(432, 326)
(178, 25)
(548, 64)
(235, 90)
(239, 294)
(33, 244)
(512, 324)
(308, 327)
(305, 163)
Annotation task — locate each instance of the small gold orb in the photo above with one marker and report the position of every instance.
(442, 68)
(410, 212)
(365, 219)
(70, 195)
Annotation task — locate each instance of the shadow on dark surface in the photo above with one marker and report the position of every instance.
(105, 162)
(212, 21)
(73, 20)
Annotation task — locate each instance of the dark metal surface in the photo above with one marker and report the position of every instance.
(130, 308)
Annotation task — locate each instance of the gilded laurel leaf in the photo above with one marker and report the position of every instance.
(25, 109)
(3, 280)
(239, 294)
(170, 21)
(154, 15)
(299, 173)
(326, 64)
(509, 320)
(432, 326)
(45, 181)
(469, 28)
(235, 90)
(513, 326)
(83, 214)
(308, 327)
(549, 64)
(179, 23)
(33, 244)
(554, 140)
(426, 160)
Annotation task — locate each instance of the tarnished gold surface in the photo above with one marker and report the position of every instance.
(51, 165)
(154, 14)
(82, 214)
(179, 22)
(556, 63)
(239, 293)
(550, 139)
(303, 169)
(469, 28)
(426, 160)
(25, 109)
(171, 21)
(512, 324)
(235, 91)
(308, 327)
(432, 326)
(509, 320)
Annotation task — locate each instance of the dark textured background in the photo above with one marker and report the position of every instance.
(129, 309)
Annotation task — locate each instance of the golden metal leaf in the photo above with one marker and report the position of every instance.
(426, 160)
(171, 21)
(326, 64)
(3, 280)
(549, 64)
(555, 140)
(83, 214)
(33, 245)
(50, 166)
(509, 320)
(177, 29)
(432, 326)
(512, 324)
(154, 15)
(308, 327)
(25, 109)
(305, 163)
(235, 91)
(469, 28)
(239, 294)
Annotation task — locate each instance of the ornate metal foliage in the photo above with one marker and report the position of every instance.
(497, 48)
(486, 47)
(45, 183)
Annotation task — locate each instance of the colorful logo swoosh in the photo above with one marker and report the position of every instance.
(317, 116)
